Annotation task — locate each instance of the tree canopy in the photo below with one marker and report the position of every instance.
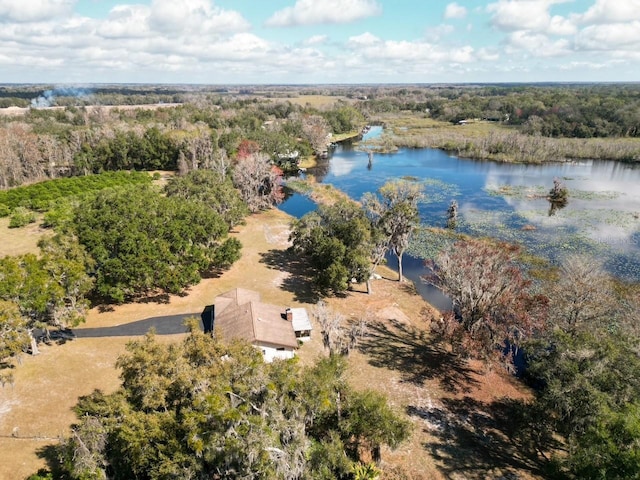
(144, 243)
(213, 190)
(337, 240)
(394, 212)
(208, 409)
(42, 291)
(492, 302)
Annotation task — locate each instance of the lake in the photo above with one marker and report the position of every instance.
(505, 201)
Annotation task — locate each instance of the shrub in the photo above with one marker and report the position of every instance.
(5, 211)
(21, 217)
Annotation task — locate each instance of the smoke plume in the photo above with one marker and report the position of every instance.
(48, 98)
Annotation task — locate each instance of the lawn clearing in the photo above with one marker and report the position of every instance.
(315, 101)
(18, 241)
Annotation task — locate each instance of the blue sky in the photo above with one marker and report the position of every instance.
(318, 41)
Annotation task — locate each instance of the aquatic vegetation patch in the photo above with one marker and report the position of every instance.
(553, 238)
(427, 242)
(437, 191)
(541, 191)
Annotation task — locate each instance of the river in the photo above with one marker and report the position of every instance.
(505, 201)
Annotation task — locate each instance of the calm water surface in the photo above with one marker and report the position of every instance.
(505, 201)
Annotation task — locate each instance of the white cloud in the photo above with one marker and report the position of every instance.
(537, 44)
(611, 11)
(126, 21)
(365, 40)
(488, 55)
(610, 37)
(454, 10)
(316, 40)
(194, 16)
(516, 15)
(436, 33)
(198, 41)
(561, 26)
(309, 12)
(372, 48)
(34, 10)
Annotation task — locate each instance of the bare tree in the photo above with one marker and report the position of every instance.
(583, 298)
(258, 181)
(491, 299)
(339, 337)
(220, 163)
(317, 131)
(199, 147)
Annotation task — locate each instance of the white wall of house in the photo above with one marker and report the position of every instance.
(272, 352)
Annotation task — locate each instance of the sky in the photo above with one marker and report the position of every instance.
(318, 41)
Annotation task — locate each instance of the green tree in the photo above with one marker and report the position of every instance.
(70, 270)
(395, 213)
(338, 242)
(143, 242)
(21, 217)
(14, 335)
(208, 409)
(48, 290)
(217, 193)
(611, 448)
(589, 389)
(586, 368)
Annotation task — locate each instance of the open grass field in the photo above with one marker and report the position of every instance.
(458, 433)
(315, 101)
(18, 241)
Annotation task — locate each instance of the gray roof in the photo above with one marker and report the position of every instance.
(300, 320)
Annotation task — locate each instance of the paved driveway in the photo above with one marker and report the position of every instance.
(165, 325)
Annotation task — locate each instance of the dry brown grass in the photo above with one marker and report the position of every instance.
(18, 241)
(315, 101)
(398, 359)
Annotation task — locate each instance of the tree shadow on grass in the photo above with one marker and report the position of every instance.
(409, 350)
(478, 440)
(298, 281)
(52, 455)
(106, 305)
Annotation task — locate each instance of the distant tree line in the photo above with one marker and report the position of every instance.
(82, 140)
(575, 111)
(78, 140)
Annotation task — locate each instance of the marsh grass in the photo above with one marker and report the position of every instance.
(320, 193)
(495, 141)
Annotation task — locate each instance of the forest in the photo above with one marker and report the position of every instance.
(141, 203)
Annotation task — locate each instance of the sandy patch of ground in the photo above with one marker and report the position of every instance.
(18, 241)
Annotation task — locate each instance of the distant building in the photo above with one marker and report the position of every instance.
(275, 330)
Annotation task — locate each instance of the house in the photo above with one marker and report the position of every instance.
(275, 330)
